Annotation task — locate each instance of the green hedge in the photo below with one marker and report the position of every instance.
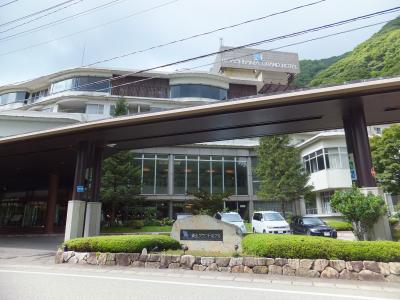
(128, 244)
(294, 246)
(340, 225)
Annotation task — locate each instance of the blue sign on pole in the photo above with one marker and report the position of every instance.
(80, 189)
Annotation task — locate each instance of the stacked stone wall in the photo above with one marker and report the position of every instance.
(316, 268)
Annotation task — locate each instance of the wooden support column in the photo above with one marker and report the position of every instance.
(96, 180)
(358, 146)
(52, 202)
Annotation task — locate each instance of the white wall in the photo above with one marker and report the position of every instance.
(330, 179)
(13, 127)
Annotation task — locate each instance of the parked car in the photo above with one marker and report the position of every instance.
(269, 222)
(232, 218)
(181, 216)
(312, 226)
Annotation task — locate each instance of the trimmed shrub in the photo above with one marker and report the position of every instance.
(293, 246)
(127, 244)
(340, 225)
(137, 224)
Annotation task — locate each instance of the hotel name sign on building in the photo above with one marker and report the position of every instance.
(259, 60)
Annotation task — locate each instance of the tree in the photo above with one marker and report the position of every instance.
(280, 171)
(121, 178)
(120, 183)
(208, 204)
(121, 108)
(362, 210)
(386, 159)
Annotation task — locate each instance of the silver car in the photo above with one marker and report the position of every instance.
(232, 218)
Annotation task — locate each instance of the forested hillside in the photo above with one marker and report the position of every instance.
(378, 56)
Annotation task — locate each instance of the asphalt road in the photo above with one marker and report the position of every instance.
(82, 282)
(27, 271)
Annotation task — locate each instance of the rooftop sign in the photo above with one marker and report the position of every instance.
(257, 59)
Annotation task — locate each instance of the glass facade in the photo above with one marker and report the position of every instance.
(39, 94)
(327, 158)
(154, 168)
(13, 97)
(83, 83)
(198, 90)
(213, 174)
(191, 172)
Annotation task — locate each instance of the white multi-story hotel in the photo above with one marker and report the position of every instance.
(168, 174)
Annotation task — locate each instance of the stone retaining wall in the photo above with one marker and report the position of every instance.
(320, 268)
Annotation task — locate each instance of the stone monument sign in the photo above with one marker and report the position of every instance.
(207, 234)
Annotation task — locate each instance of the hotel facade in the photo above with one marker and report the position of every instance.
(168, 174)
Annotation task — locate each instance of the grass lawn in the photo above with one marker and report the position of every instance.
(125, 229)
(249, 228)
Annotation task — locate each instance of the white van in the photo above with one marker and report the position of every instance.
(269, 222)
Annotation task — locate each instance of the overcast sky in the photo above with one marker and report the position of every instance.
(173, 21)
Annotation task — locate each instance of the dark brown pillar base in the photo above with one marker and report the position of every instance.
(51, 202)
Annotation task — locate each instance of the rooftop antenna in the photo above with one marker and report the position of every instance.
(83, 54)
(221, 44)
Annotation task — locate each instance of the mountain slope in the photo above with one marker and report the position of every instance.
(377, 56)
(311, 67)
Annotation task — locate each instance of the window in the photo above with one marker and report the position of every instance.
(192, 174)
(83, 83)
(148, 176)
(161, 174)
(179, 176)
(273, 217)
(95, 109)
(326, 202)
(216, 174)
(328, 158)
(39, 94)
(198, 90)
(154, 173)
(241, 176)
(213, 174)
(229, 176)
(257, 217)
(13, 97)
(205, 174)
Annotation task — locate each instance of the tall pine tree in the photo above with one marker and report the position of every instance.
(280, 171)
(121, 178)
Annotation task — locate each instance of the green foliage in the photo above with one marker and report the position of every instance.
(127, 244)
(208, 204)
(294, 246)
(150, 215)
(167, 222)
(393, 221)
(361, 210)
(281, 174)
(137, 224)
(377, 56)
(386, 159)
(121, 177)
(311, 67)
(120, 182)
(340, 225)
(121, 108)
